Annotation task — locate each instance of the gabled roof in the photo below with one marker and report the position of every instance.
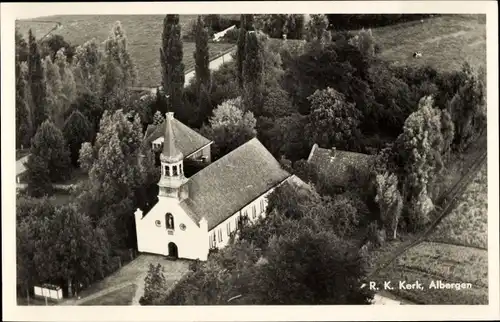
(230, 183)
(341, 167)
(185, 139)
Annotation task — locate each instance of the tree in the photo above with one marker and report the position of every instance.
(48, 149)
(333, 121)
(337, 65)
(86, 156)
(69, 89)
(87, 67)
(229, 127)
(78, 251)
(171, 54)
(36, 82)
(294, 26)
(389, 200)
(202, 70)
(307, 266)
(115, 174)
(77, 130)
(253, 72)
(120, 70)
(155, 285)
(53, 43)
(317, 30)
(158, 118)
(54, 92)
(467, 109)
(201, 54)
(22, 50)
(89, 105)
(246, 25)
(23, 107)
(422, 140)
(365, 42)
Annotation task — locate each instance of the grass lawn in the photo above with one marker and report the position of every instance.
(122, 296)
(445, 42)
(143, 34)
(467, 224)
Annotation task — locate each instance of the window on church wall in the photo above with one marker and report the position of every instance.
(262, 205)
(180, 169)
(166, 172)
(254, 212)
(228, 226)
(174, 168)
(214, 241)
(169, 221)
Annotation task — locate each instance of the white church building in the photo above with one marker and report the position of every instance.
(196, 214)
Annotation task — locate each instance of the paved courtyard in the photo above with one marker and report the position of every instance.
(132, 273)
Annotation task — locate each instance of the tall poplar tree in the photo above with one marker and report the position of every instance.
(253, 74)
(246, 24)
(36, 82)
(171, 54)
(202, 70)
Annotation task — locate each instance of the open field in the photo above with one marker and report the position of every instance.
(467, 224)
(451, 262)
(445, 42)
(455, 252)
(143, 34)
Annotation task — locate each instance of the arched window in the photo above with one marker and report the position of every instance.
(175, 170)
(169, 221)
(167, 172)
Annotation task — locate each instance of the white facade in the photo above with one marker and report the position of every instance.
(193, 240)
(154, 235)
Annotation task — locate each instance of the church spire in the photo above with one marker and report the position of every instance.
(172, 168)
(170, 153)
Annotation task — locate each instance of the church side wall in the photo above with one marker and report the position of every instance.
(154, 237)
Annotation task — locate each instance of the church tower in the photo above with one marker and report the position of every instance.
(172, 166)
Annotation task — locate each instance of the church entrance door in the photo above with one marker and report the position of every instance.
(172, 250)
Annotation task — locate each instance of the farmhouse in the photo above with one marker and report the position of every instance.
(196, 214)
(340, 167)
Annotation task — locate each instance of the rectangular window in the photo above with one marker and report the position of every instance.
(214, 242)
(228, 228)
(262, 205)
(175, 170)
(254, 212)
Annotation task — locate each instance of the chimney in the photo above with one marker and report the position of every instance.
(170, 115)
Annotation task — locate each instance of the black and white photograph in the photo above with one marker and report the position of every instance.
(195, 155)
